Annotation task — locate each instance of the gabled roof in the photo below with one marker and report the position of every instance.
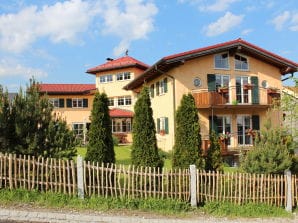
(235, 46)
(52, 89)
(120, 113)
(122, 62)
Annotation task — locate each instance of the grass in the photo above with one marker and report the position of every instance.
(123, 155)
(155, 206)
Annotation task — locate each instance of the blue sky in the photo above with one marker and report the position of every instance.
(56, 41)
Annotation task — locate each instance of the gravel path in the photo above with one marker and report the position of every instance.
(10, 215)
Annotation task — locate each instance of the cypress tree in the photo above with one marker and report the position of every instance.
(100, 147)
(187, 148)
(214, 159)
(144, 147)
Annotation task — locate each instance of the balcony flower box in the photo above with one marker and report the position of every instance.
(223, 89)
(247, 86)
(162, 132)
(272, 90)
(224, 136)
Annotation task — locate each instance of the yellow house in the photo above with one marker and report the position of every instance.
(233, 83)
(111, 77)
(73, 103)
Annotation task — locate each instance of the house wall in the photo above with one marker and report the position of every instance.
(74, 115)
(115, 88)
(184, 76)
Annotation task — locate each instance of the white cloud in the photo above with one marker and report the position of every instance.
(294, 21)
(218, 5)
(62, 21)
(205, 5)
(130, 21)
(280, 20)
(9, 68)
(246, 32)
(223, 24)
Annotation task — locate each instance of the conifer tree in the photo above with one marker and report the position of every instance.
(270, 153)
(187, 148)
(100, 147)
(144, 147)
(213, 158)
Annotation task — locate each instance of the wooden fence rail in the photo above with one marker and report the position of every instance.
(59, 175)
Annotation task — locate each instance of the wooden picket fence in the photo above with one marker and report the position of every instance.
(59, 175)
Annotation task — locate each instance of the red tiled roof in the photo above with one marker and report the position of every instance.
(121, 62)
(168, 62)
(120, 113)
(66, 88)
(229, 43)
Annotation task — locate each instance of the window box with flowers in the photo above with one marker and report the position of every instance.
(162, 132)
(248, 86)
(223, 89)
(224, 136)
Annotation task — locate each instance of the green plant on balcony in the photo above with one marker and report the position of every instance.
(234, 102)
(224, 136)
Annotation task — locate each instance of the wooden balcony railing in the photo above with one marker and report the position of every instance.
(207, 99)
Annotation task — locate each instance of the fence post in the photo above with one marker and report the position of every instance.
(289, 191)
(10, 171)
(80, 175)
(193, 185)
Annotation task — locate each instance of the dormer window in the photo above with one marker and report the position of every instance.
(241, 63)
(221, 61)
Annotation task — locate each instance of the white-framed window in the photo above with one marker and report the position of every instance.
(241, 62)
(243, 95)
(121, 101)
(123, 76)
(78, 129)
(124, 100)
(54, 102)
(162, 86)
(121, 125)
(221, 61)
(244, 123)
(224, 127)
(111, 102)
(77, 103)
(163, 125)
(127, 100)
(106, 78)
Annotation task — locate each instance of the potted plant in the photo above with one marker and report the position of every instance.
(223, 89)
(224, 136)
(247, 86)
(272, 90)
(162, 132)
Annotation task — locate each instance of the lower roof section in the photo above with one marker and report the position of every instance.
(120, 113)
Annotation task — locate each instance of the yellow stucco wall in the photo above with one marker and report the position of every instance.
(74, 115)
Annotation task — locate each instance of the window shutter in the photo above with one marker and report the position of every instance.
(167, 125)
(68, 103)
(85, 103)
(213, 124)
(165, 82)
(157, 88)
(152, 90)
(61, 102)
(255, 90)
(211, 82)
(158, 125)
(255, 119)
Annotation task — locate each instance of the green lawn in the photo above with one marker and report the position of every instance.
(122, 155)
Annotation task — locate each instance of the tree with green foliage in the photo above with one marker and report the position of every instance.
(214, 159)
(270, 153)
(7, 137)
(187, 148)
(144, 147)
(27, 126)
(100, 147)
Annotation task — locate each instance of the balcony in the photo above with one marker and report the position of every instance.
(226, 98)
